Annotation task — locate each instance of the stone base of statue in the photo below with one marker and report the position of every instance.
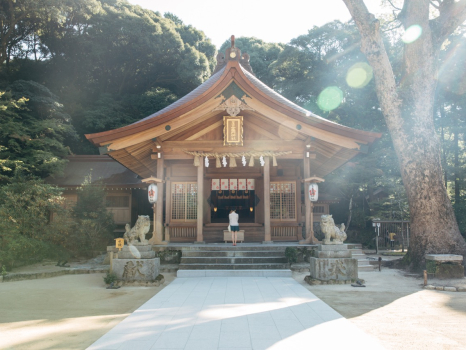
(136, 251)
(136, 263)
(333, 263)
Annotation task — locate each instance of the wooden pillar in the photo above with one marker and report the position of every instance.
(268, 235)
(200, 202)
(157, 236)
(168, 209)
(307, 173)
(159, 209)
(310, 238)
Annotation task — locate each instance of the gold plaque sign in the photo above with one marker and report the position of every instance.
(233, 131)
(120, 242)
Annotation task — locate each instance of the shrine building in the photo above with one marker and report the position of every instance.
(233, 142)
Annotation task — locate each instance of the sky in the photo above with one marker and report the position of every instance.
(271, 21)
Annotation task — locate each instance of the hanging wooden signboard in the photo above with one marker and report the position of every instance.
(233, 131)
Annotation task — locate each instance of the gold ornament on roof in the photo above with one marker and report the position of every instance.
(232, 105)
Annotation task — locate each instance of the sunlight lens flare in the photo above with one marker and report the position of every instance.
(330, 98)
(359, 75)
(134, 251)
(412, 34)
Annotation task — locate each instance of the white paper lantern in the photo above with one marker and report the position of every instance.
(313, 192)
(152, 192)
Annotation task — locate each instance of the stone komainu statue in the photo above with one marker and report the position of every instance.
(331, 231)
(138, 231)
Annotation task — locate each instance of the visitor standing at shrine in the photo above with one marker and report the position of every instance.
(234, 226)
(392, 239)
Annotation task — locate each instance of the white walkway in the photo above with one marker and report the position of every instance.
(235, 313)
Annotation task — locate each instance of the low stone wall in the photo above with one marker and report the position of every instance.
(445, 288)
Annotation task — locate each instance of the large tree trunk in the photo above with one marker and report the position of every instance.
(408, 112)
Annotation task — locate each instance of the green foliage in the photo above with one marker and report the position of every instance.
(303, 254)
(27, 234)
(34, 128)
(94, 224)
(110, 277)
(291, 254)
(4, 271)
(25, 22)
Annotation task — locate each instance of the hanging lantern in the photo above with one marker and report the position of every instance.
(152, 191)
(313, 192)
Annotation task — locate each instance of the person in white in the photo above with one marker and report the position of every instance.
(234, 226)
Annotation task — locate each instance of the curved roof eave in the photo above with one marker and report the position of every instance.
(215, 85)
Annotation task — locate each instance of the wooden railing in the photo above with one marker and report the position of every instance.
(181, 233)
(284, 232)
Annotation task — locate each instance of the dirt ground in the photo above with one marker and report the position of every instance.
(396, 310)
(72, 311)
(66, 312)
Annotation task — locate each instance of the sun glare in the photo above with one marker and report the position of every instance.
(412, 34)
(330, 98)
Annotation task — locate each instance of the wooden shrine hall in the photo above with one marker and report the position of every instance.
(233, 142)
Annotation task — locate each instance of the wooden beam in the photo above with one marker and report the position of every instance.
(205, 130)
(159, 130)
(260, 130)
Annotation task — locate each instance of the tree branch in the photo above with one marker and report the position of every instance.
(452, 15)
(396, 8)
(372, 46)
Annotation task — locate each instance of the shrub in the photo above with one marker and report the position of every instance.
(27, 234)
(94, 223)
(110, 277)
(291, 254)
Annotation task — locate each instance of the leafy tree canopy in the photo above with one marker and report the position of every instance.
(34, 128)
(261, 54)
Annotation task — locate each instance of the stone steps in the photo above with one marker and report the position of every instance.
(233, 253)
(229, 248)
(363, 263)
(233, 258)
(234, 273)
(215, 266)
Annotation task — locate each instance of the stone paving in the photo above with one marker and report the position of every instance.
(235, 313)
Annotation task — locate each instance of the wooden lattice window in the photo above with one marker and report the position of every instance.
(184, 201)
(318, 209)
(283, 201)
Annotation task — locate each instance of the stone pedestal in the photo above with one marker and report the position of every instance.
(445, 266)
(333, 263)
(136, 263)
(136, 252)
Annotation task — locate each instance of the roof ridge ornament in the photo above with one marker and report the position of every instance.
(232, 54)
